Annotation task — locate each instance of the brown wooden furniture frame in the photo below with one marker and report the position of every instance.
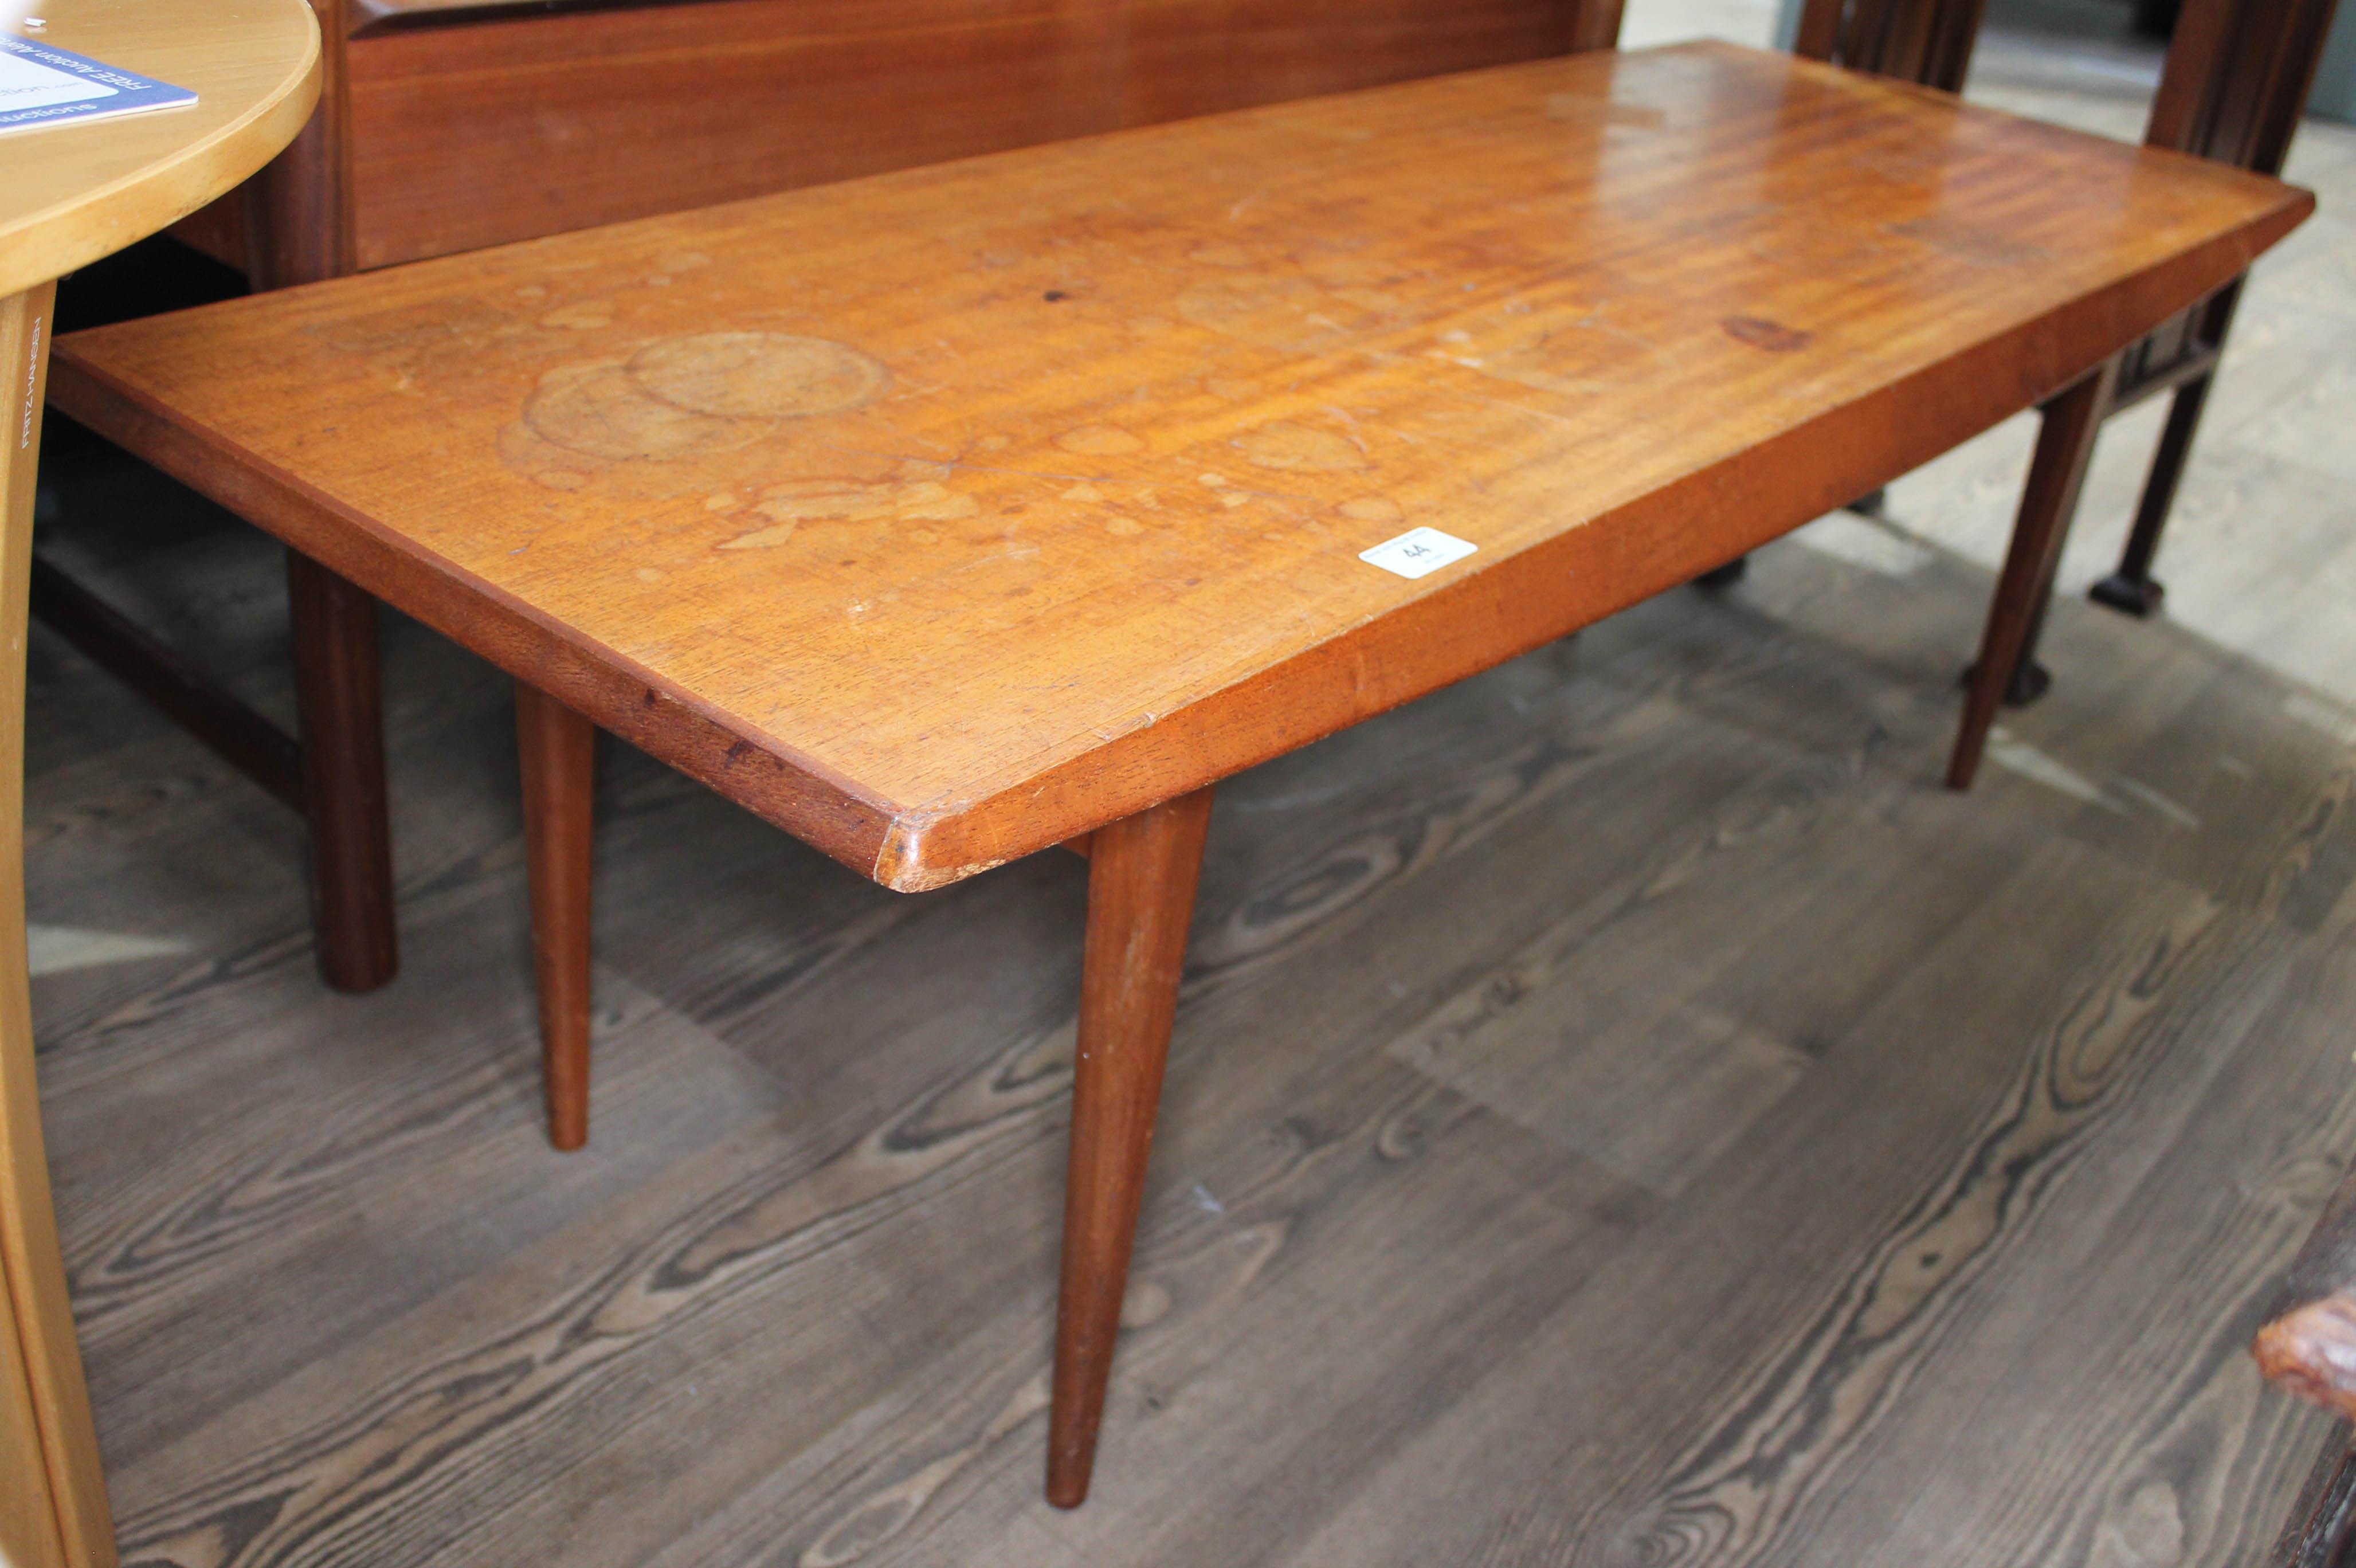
(946, 517)
(442, 128)
(2234, 84)
(2236, 81)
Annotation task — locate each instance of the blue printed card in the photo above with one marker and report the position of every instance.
(45, 86)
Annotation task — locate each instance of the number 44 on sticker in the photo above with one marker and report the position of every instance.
(1416, 551)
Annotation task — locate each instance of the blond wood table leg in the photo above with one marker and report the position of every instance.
(559, 750)
(1142, 877)
(52, 1498)
(2065, 443)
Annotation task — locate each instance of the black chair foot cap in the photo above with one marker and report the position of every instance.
(2137, 596)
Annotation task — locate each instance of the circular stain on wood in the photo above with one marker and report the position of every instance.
(758, 375)
(1290, 449)
(599, 409)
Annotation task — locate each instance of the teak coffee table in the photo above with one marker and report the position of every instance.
(944, 517)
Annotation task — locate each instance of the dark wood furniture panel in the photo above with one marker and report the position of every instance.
(469, 126)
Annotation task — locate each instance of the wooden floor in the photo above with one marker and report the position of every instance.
(1623, 1113)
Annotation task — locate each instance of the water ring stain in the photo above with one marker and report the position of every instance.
(680, 398)
(758, 375)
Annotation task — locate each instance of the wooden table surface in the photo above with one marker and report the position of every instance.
(72, 193)
(942, 516)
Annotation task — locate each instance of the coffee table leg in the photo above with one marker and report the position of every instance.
(558, 749)
(338, 694)
(1141, 875)
(2065, 441)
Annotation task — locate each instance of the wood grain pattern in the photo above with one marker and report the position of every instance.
(513, 127)
(53, 1501)
(1143, 873)
(343, 806)
(88, 190)
(1219, 517)
(558, 750)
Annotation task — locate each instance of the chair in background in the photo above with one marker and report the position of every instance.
(445, 127)
(2237, 81)
(1928, 42)
(2234, 84)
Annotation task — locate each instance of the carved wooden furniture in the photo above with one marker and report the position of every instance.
(445, 127)
(68, 195)
(948, 516)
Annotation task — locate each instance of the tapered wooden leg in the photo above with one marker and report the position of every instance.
(559, 750)
(2065, 441)
(1142, 877)
(338, 694)
(2131, 588)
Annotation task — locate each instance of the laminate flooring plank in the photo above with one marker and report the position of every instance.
(139, 820)
(1781, 1308)
(1754, 1490)
(587, 1397)
(289, 1191)
(2148, 1274)
(1375, 1215)
(2155, 748)
(1654, 1068)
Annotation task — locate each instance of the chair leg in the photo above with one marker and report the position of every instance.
(1725, 577)
(2065, 441)
(2130, 589)
(558, 749)
(341, 708)
(1141, 878)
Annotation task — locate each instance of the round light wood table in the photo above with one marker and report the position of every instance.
(69, 194)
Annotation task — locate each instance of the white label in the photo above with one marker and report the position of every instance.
(24, 85)
(1416, 551)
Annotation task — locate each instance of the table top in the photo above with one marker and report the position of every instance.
(943, 515)
(72, 193)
